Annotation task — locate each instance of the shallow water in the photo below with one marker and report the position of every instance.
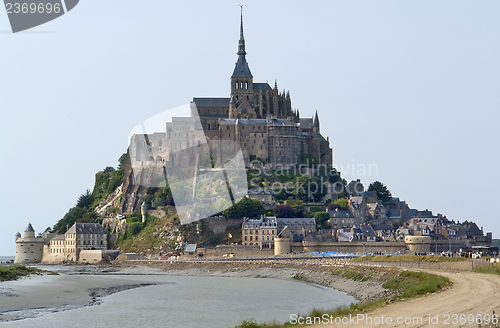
(4, 259)
(197, 302)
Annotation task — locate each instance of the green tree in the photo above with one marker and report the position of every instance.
(85, 200)
(342, 203)
(245, 208)
(322, 220)
(297, 206)
(383, 193)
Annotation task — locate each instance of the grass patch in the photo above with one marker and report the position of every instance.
(12, 272)
(412, 284)
(491, 268)
(356, 276)
(407, 258)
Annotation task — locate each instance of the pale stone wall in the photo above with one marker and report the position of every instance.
(90, 256)
(51, 257)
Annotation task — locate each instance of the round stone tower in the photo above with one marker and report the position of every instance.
(28, 249)
(281, 246)
(418, 244)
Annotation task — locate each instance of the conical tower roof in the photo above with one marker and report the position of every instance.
(241, 69)
(29, 228)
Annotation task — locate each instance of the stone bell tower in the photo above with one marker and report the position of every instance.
(242, 79)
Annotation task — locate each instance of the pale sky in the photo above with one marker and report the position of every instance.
(408, 86)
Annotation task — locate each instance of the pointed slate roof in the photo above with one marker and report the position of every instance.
(29, 228)
(241, 69)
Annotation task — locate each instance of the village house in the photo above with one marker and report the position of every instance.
(259, 232)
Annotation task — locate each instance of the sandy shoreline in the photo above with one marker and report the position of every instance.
(80, 286)
(38, 295)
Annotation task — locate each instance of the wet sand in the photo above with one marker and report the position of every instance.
(79, 286)
(36, 295)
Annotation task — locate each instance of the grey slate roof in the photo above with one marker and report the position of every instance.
(300, 221)
(251, 224)
(86, 228)
(369, 194)
(268, 221)
(356, 231)
(383, 227)
(262, 86)
(472, 228)
(367, 230)
(241, 68)
(310, 237)
(207, 102)
(340, 214)
(29, 228)
(410, 213)
(393, 212)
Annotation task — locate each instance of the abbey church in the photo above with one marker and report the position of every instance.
(261, 120)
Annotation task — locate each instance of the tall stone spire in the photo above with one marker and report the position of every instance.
(241, 68)
(241, 41)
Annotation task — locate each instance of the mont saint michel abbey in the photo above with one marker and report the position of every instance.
(256, 118)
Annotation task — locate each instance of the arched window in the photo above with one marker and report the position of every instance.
(237, 85)
(246, 85)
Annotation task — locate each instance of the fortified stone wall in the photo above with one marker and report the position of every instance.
(243, 251)
(355, 247)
